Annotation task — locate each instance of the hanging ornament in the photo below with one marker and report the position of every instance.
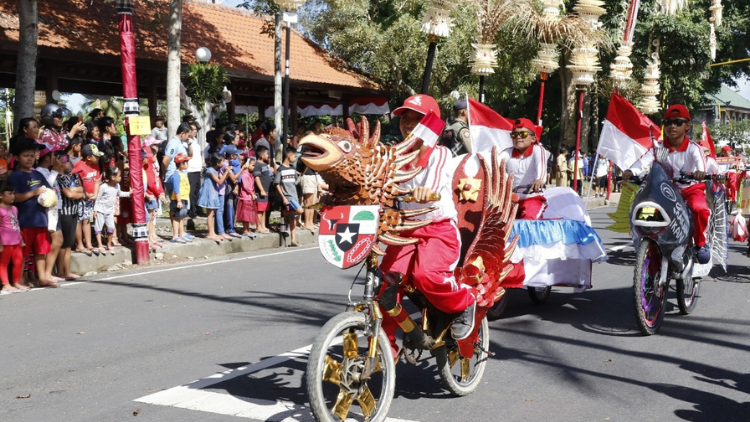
(584, 63)
(590, 11)
(547, 59)
(650, 88)
(671, 7)
(551, 9)
(716, 12)
(622, 68)
(436, 19)
(712, 43)
(484, 60)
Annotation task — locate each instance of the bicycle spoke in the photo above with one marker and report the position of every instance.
(343, 403)
(465, 369)
(350, 346)
(332, 371)
(366, 401)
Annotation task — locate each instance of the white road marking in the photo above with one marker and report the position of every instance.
(619, 248)
(191, 396)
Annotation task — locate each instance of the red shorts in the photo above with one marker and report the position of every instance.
(37, 241)
(262, 206)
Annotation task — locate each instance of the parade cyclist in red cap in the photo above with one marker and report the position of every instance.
(527, 161)
(430, 262)
(684, 157)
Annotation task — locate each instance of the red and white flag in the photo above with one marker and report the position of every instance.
(627, 133)
(707, 141)
(429, 129)
(488, 128)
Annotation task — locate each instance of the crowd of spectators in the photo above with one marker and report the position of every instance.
(65, 188)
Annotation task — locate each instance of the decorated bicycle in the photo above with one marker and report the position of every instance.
(351, 366)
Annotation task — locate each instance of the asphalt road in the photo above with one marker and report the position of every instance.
(125, 342)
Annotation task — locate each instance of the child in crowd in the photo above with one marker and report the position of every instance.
(180, 195)
(50, 166)
(88, 171)
(74, 150)
(212, 197)
(4, 168)
(104, 208)
(263, 175)
(247, 212)
(527, 162)
(72, 196)
(124, 207)
(154, 192)
(32, 216)
(11, 242)
(286, 185)
(233, 167)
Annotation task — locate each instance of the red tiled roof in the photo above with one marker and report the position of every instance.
(233, 36)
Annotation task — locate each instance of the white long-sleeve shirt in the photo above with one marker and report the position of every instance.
(527, 167)
(105, 202)
(438, 177)
(687, 158)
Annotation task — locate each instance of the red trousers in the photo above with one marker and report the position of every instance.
(429, 265)
(531, 208)
(14, 254)
(695, 197)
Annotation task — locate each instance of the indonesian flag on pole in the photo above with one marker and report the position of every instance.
(707, 141)
(429, 129)
(488, 128)
(626, 134)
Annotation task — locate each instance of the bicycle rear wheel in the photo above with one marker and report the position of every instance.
(687, 295)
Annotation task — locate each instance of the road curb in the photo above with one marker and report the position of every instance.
(200, 248)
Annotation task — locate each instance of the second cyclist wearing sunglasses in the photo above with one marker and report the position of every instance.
(684, 157)
(527, 161)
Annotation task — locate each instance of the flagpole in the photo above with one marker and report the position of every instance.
(543, 76)
(579, 120)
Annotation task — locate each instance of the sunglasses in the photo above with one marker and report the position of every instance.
(522, 134)
(676, 122)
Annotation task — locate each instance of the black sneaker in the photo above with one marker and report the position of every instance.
(463, 325)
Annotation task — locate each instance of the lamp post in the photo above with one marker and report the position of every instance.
(290, 16)
(584, 64)
(436, 23)
(203, 54)
(483, 63)
(131, 110)
(548, 57)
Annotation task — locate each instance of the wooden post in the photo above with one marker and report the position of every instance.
(153, 100)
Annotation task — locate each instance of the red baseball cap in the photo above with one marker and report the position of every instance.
(726, 148)
(524, 123)
(180, 158)
(420, 103)
(677, 111)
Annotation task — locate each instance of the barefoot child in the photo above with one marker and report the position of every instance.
(263, 175)
(286, 185)
(247, 212)
(32, 216)
(88, 170)
(72, 196)
(11, 242)
(211, 196)
(180, 194)
(104, 208)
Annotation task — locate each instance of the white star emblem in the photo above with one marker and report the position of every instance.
(346, 236)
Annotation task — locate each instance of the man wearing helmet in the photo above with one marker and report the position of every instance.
(53, 134)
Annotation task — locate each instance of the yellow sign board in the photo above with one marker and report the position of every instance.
(140, 125)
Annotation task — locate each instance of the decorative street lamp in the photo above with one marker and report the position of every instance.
(584, 64)
(290, 16)
(548, 58)
(203, 54)
(650, 88)
(436, 23)
(132, 110)
(483, 63)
